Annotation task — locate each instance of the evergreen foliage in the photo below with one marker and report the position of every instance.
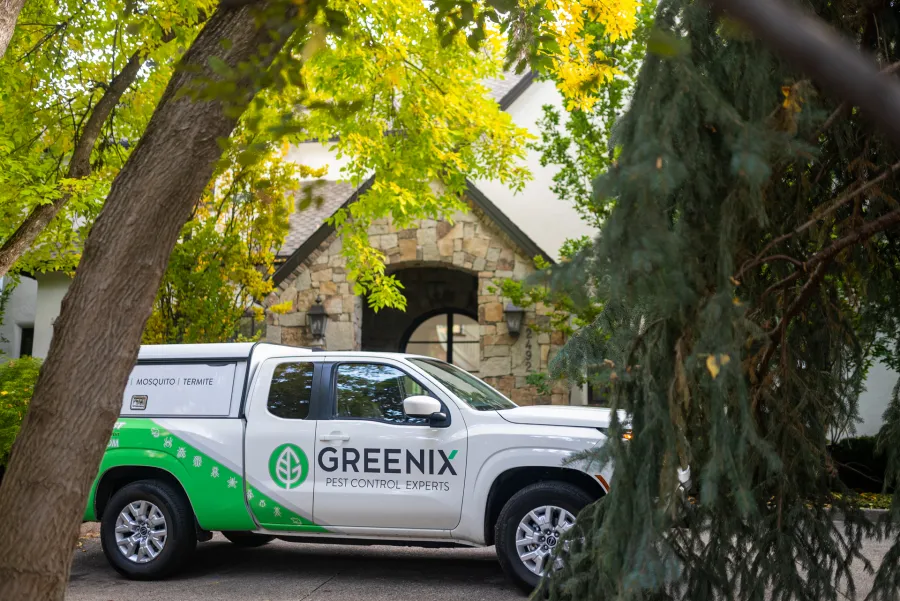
(748, 269)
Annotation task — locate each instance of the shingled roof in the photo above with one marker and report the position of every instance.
(507, 88)
(328, 196)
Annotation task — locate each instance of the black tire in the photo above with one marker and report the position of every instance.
(553, 493)
(247, 539)
(181, 534)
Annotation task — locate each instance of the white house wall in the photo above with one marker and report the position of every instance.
(530, 208)
(19, 313)
(52, 287)
(874, 400)
(527, 209)
(317, 155)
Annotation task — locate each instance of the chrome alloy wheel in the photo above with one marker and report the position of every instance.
(141, 531)
(539, 533)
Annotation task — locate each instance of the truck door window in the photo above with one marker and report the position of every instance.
(373, 391)
(291, 390)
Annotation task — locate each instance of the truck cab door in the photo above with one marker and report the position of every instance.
(279, 441)
(376, 467)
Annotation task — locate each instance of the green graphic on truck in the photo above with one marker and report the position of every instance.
(220, 497)
(288, 466)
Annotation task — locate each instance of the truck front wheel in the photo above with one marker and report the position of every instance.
(530, 525)
(147, 530)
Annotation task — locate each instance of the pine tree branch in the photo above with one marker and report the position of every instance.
(839, 202)
(778, 336)
(830, 59)
(866, 231)
(819, 262)
(831, 208)
(862, 233)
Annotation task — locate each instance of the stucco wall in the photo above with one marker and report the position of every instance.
(472, 244)
(19, 313)
(536, 210)
(547, 219)
(874, 400)
(52, 287)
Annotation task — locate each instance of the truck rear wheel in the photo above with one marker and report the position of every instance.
(530, 525)
(147, 530)
(247, 539)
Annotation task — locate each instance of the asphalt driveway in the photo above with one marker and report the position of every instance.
(299, 572)
(283, 571)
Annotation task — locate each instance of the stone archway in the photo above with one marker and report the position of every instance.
(430, 291)
(464, 262)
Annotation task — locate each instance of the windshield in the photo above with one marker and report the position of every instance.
(467, 387)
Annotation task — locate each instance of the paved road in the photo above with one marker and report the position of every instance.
(297, 572)
(293, 572)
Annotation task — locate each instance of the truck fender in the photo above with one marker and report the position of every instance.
(118, 458)
(475, 502)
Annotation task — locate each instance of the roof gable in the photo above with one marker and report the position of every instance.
(302, 249)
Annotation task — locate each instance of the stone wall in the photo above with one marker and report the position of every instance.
(472, 244)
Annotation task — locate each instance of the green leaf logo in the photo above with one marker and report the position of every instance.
(288, 466)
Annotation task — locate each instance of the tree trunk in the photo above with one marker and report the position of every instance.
(97, 336)
(79, 166)
(9, 12)
(829, 58)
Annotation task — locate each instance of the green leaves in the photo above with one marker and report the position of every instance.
(60, 62)
(17, 380)
(424, 125)
(219, 67)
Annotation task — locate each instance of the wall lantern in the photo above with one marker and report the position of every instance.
(514, 317)
(317, 319)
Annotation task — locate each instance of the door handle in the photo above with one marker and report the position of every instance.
(334, 436)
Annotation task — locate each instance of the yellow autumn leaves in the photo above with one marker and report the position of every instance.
(579, 70)
(715, 363)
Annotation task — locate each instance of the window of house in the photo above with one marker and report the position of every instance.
(374, 391)
(598, 394)
(26, 343)
(291, 390)
(450, 337)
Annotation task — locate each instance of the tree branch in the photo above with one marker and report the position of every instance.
(817, 216)
(235, 4)
(79, 166)
(819, 262)
(79, 163)
(845, 106)
(866, 231)
(831, 60)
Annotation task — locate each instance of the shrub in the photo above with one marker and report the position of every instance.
(17, 380)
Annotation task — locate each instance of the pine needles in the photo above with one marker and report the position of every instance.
(745, 294)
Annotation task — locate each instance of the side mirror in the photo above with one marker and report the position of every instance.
(421, 406)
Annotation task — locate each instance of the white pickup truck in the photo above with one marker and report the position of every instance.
(263, 441)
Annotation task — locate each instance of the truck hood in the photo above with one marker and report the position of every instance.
(560, 415)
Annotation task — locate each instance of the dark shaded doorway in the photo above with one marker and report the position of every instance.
(441, 317)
